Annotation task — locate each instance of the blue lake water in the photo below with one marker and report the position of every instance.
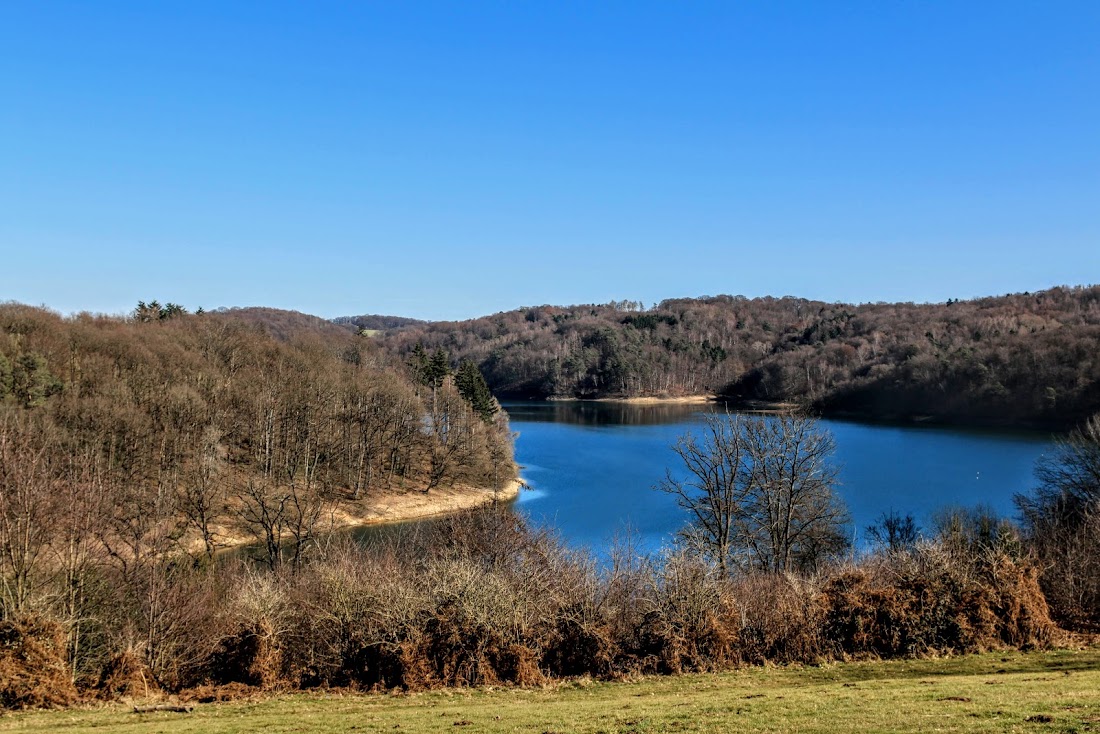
(592, 467)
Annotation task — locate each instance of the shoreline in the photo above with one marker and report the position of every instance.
(764, 407)
(643, 400)
(394, 507)
(390, 507)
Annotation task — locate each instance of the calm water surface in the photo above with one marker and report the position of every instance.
(592, 467)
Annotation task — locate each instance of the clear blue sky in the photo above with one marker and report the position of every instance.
(451, 159)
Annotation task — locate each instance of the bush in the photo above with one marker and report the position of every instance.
(934, 601)
(1062, 524)
(415, 614)
(257, 618)
(779, 619)
(126, 675)
(33, 671)
(688, 623)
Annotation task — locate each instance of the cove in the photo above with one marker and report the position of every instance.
(591, 468)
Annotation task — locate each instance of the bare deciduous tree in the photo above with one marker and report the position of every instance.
(1061, 517)
(262, 511)
(27, 511)
(893, 532)
(201, 495)
(759, 492)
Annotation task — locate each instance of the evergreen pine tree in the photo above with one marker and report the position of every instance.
(472, 386)
(438, 368)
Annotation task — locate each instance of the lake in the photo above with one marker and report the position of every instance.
(591, 468)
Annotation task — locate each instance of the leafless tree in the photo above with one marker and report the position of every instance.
(262, 511)
(1061, 518)
(201, 494)
(27, 511)
(1069, 478)
(759, 492)
(715, 489)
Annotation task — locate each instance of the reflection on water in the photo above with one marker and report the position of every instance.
(590, 413)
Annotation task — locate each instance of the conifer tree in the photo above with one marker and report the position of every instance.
(472, 386)
(438, 368)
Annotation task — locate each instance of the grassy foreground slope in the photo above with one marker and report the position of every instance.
(1046, 691)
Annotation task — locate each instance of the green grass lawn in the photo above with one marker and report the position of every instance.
(1050, 691)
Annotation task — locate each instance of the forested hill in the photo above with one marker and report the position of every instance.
(1020, 359)
(373, 322)
(287, 325)
(257, 420)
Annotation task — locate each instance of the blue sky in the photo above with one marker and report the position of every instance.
(451, 159)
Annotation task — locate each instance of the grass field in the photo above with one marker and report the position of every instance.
(1050, 691)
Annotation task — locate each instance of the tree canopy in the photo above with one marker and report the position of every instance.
(1025, 358)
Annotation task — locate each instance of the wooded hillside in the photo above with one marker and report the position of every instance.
(131, 449)
(1027, 359)
(170, 428)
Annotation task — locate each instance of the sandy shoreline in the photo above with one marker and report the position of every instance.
(384, 508)
(647, 400)
(396, 506)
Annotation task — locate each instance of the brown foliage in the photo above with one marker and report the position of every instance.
(128, 445)
(1062, 525)
(929, 602)
(33, 670)
(448, 607)
(126, 675)
(459, 651)
(578, 645)
(778, 620)
(688, 622)
(258, 618)
(1018, 358)
(251, 657)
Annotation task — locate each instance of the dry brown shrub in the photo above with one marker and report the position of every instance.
(519, 664)
(866, 617)
(252, 656)
(472, 634)
(660, 646)
(414, 670)
(258, 618)
(475, 613)
(191, 626)
(354, 612)
(459, 651)
(1023, 616)
(126, 675)
(934, 601)
(579, 644)
(33, 673)
(778, 619)
(690, 622)
(589, 625)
